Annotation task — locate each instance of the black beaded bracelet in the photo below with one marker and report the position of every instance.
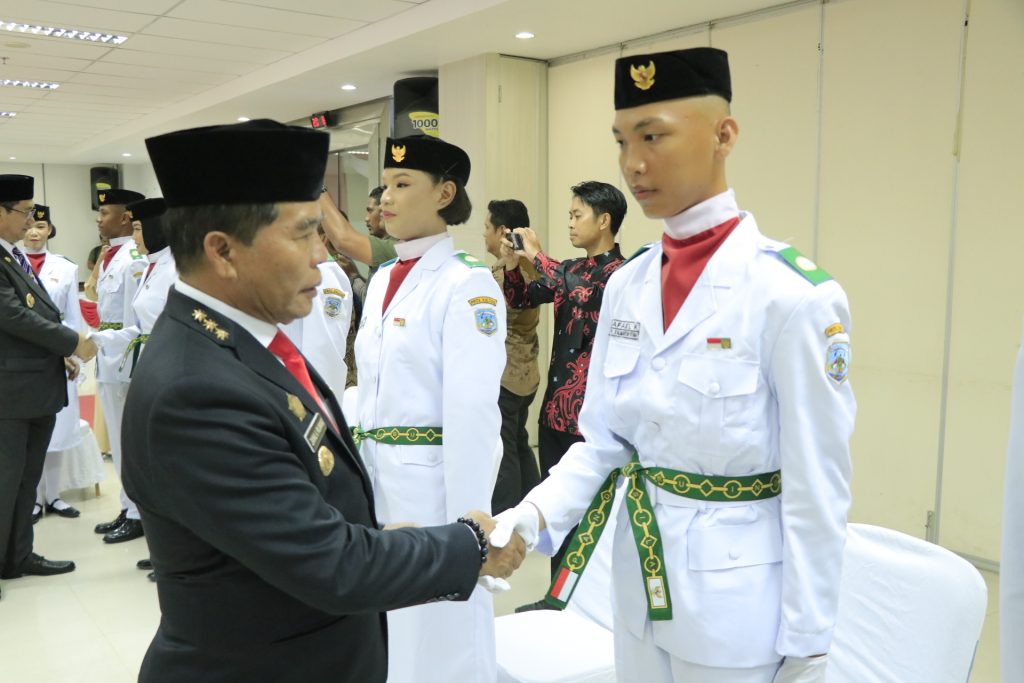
(480, 537)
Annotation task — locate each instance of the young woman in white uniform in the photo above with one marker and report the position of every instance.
(430, 353)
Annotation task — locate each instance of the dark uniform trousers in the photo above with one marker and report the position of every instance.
(518, 473)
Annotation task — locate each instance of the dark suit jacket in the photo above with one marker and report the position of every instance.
(33, 344)
(269, 563)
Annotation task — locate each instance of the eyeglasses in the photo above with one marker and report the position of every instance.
(25, 212)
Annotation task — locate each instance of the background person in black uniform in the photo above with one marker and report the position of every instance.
(258, 512)
(34, 346)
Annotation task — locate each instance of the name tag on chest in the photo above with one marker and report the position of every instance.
(315, 432)
(625, 329)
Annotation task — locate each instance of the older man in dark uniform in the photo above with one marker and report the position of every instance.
(34, 346)
(269, 561)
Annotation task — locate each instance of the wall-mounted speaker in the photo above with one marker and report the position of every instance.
(102, 178)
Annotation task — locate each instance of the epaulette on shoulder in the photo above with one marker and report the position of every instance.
(388, 263)
(803, 265)
(469, 260)
(639, 251)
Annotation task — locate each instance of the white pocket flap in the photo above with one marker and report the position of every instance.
(718, 377)
(620, 358)
(726, 546)
(428, 456)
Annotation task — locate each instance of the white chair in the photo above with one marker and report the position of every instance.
(909, 611)
(570, 646)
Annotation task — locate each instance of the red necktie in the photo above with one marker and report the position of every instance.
(37, 261)
(110, 255)
(149, 270)
(283, 348)
(682, 263)
(398, 273)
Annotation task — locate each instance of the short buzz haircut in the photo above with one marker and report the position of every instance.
(602, 198)
(375, 193)
(511, 213)
(187, 226)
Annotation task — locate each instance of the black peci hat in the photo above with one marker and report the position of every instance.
(42, 213)
(643, 79)
(256, 162)
(117, 197)
(149, 212)
(147, 208)
(15, 188)
(428, 154)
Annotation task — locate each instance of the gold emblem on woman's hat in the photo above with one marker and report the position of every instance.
(398, 153)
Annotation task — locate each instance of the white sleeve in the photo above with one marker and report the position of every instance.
(816, 416)
(572, 484)
(72, 307)
(473, 339)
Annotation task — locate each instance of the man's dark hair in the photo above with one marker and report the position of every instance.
(376, 193)
(603, 198)
(9, 206)
(459, 210)
(187, 227)
(508, 212)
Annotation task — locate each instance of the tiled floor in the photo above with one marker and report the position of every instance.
(94, 624)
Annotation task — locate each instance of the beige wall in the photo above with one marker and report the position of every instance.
(874, 201)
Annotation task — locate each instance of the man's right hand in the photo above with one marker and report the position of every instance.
(501, 562)
(86, 349)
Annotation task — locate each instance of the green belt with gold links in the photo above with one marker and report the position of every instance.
(704, 487)
(399, 436)
(110, 326)
(134, 348)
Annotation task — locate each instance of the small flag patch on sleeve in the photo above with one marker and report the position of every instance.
(564, 585)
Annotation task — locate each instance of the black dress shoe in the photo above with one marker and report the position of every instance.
(128, 531)
(151, 576)
(107, 527)
(37, 513)
(37, 565)
(539, 605)
(68, 511)
(146, 564)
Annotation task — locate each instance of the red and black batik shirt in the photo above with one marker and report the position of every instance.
(576, 287)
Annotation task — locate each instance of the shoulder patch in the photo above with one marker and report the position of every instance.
(388, 263)
(134, 253)
(639, 251)
(469, 260)
(804, 266)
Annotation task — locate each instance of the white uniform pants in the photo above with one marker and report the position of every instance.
(641, 661)
(112, 397)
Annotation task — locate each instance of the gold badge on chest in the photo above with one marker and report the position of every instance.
(296, 407)
(30, 300)
(326, 459)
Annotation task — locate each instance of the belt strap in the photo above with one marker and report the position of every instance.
(134, 348)
(400, 436)
(645, 527)
(110, 326)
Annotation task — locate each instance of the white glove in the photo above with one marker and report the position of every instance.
(524, 519)
(493, 585)
(802, 670)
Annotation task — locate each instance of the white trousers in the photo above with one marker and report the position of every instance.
(641, 661)
(112, 397)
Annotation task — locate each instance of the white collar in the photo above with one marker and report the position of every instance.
(26, 250)
(419, 246)
(118, 241)
(7, 245)
(263, 331)
(703, 216)
(153, 257)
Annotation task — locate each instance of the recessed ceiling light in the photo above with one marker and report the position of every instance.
(8, 114)
(38, 85)
(243, 119)
(524, 35)
(348, 86)
(13, 158)
(54, 32)
(126, 154)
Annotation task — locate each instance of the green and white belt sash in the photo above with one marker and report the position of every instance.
(399, 436)
(134, 348)
(110, 326)
(703, 487)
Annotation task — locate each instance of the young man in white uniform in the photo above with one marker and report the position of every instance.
(119, 276)
(719, 390)
(60, 278)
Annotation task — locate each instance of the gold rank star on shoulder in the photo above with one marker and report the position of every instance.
(209, 324)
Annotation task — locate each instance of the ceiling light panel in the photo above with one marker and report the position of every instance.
(35, 85)
(57, 32)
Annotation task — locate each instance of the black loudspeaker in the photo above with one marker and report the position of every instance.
(415, 107)
(102, 178)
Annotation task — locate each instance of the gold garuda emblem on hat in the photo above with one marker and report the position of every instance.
(102, 196)
(398, 153)
(643, 76)
(40, 214)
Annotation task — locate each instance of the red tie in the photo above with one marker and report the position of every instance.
(682, 263)
(398, 273)
(110, 255)
(36, 260)
(283, 348)
(149, 270)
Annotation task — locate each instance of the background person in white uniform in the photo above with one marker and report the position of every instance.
(720, 370)
(430, 353)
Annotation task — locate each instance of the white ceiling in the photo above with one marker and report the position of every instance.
(198, 62)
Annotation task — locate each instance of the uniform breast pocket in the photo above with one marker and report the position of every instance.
(109, 284)
(424, 456)
(619, 361)
(725, 397)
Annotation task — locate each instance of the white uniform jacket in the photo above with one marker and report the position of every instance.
(434, 358)
(116, 290)
(60, 279)
(147, 303)
(323, 334)
(749, 582)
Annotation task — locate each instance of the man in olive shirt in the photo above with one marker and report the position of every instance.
(519, 472)
(374, 248)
